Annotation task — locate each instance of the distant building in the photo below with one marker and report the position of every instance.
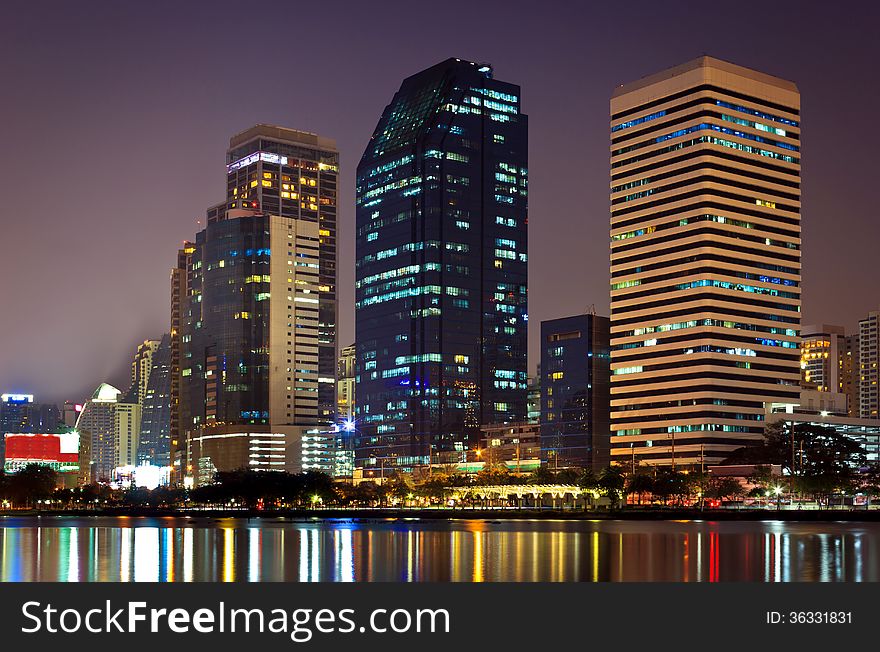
(442, 269)
(345, 385)
(111, 423)
(821, 349)
(533, 415)
(517, 445)
(179, 292)
(70, 413)
(19, 413)
(154, 441)
(849, 373)
(829, 409)
(15, 412)
(575, 369)
(141, 367)
(869, 366)
(830, 363)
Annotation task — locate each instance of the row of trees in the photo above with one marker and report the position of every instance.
(817, 462)
(33, 483)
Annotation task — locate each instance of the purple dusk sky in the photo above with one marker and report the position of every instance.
(116, 116)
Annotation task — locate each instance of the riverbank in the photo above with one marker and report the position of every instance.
(391, 514)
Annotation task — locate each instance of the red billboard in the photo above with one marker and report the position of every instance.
(58, 451)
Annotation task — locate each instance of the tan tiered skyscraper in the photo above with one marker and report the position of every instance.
(705, 260)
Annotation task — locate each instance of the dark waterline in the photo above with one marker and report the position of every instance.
(175, 549)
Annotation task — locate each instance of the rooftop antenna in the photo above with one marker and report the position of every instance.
(592, 309)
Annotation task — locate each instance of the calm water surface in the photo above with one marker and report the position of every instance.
(114, 549)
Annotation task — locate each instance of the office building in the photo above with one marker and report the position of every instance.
(829, 409)
(869, 373)
(252, 323)
(70, 413)
(516, 445)
(141, 367)
(154, 445)
(294, 174)
(575, 386)
(179, 291)
(705, 260)
(821, 348)
(20, 413)
(441, 269)
(111, 423)
(849, 373)
(829, 362)
(345, 385)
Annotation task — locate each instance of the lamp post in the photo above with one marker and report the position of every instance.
(632, 448)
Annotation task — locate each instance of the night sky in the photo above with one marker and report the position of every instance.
(115, 119)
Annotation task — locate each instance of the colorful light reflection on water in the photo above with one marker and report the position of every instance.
(108, 549)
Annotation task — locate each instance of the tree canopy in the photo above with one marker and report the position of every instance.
(818, 458)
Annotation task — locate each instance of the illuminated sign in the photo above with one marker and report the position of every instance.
(146, 475)
(58, 451)
(18, 398)
(268, 157)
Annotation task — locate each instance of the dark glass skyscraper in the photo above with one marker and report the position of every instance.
(441, 268)
(155, 440)
(575, 391)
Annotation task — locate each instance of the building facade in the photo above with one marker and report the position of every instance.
(154, 445)
(869, 372)
(345, 385)
(830, 363)
(20, 414)
(575, 391)
(70, 413)
(849, 373)
(441, 270)
(252, 324)
(705, 260)
(141, 367)
(179, 293)
(516, 445)
(533, 401)
(821, 348)
(111, 423)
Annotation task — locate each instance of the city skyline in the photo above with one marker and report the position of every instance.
(94, 246)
